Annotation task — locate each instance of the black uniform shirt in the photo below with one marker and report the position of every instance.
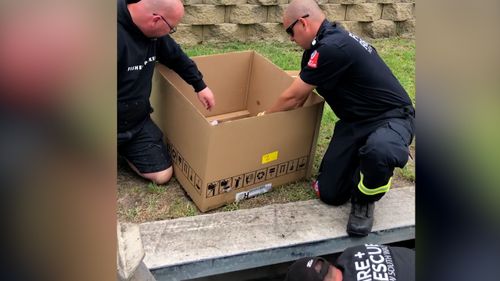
(371, 262)
(350, 75)
(137, 55)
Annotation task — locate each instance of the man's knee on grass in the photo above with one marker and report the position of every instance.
(161, 177)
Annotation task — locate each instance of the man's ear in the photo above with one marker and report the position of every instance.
(304, 22)
(318, 265)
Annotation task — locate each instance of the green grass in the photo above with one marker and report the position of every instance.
(181, 208)
(231, 207)
(407, 172)
(285, 55)
(156, 189)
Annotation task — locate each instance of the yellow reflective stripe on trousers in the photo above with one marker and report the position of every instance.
(373, 191)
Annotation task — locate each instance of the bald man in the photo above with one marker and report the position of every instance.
(144, 29)
(376, 114)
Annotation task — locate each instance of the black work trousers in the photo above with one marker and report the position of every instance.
(373, 147)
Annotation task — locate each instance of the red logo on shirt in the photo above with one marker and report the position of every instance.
(313, 61)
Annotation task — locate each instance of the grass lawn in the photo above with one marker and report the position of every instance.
(140, 201)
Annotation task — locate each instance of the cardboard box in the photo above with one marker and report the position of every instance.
(293, 73)
(245, 154)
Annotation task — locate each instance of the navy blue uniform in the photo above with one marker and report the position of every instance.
(377, 262)
(139, 139)
(376, 115)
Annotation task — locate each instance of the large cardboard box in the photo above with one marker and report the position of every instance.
(244, 154)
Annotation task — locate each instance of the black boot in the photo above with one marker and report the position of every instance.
(361, 218)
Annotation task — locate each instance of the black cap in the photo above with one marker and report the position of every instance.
(304, 270)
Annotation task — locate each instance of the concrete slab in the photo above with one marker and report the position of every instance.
(130, 251)
(222, 242)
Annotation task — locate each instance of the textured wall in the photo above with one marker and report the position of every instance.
(256, 20)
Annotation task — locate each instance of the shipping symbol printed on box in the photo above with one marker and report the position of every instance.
(243, 155)
(183, 165)
(252, 177)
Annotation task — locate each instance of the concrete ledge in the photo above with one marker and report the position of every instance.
(129, 250)
(223, 242)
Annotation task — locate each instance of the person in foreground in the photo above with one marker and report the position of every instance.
(365, 262)
(144, 29)
(376, 114)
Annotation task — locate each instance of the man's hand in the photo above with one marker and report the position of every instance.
(293, 97)
(206, 98)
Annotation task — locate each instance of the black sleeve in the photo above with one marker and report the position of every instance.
(377, 262)
(121, 52)
(171, 55)
(404, 259)
(325, 64)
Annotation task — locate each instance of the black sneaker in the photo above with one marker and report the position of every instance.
(361, 218)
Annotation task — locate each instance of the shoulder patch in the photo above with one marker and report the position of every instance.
(313, 60)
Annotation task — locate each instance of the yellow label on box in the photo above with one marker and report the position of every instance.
(266, 158)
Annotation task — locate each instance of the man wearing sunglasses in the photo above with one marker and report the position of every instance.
(376, 114)
(144, 27)
(364, 262)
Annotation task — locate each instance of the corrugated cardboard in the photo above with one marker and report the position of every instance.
(245, 154)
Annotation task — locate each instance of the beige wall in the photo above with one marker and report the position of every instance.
(257, 20)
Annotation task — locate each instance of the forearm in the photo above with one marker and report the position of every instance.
(285, 103)
(293, 97)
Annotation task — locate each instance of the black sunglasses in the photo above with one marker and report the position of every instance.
(289, 29)
(172, 29)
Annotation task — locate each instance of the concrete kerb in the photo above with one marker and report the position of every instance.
(211, 244)
(130, 254)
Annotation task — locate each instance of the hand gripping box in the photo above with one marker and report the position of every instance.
(240, 154)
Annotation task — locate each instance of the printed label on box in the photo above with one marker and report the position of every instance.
(266, 158)
(253, 192)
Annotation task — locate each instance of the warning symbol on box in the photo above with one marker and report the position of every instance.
(179, 160)
(225, 185)
(282, 168)
(173, 154)
(213, 189)
(292, 166)
(237, 182)
(260, 175)
(271, 172)
(191, 176)
(197, 183)
(185, 168)
(249, 179)
(302, 163)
